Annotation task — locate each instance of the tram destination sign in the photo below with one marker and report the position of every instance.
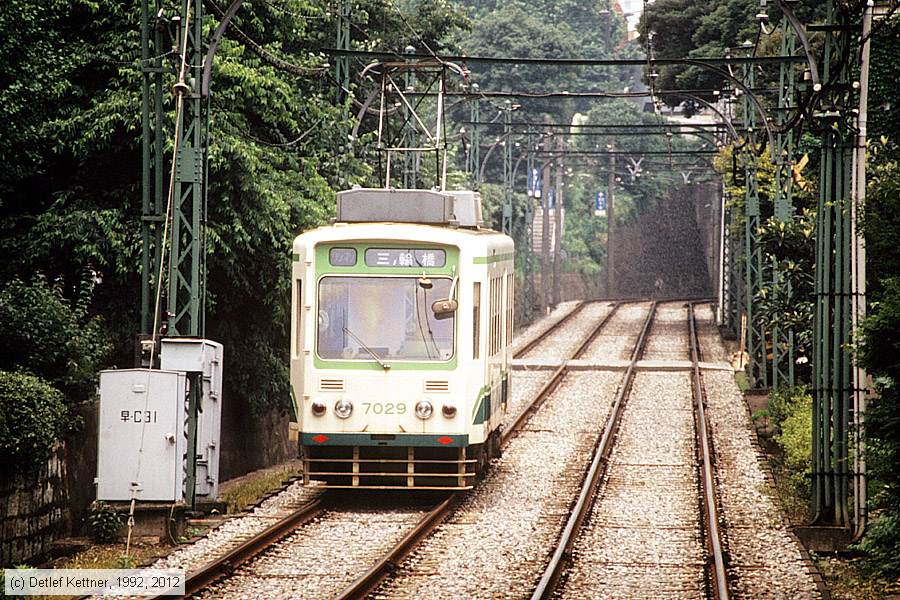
(405, 257)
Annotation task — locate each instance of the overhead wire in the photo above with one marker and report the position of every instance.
(261, 52)
(179, 89)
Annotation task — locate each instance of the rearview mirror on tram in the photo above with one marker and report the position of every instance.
(444, 309)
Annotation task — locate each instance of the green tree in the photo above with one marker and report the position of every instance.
(70, 185)
(49, 336)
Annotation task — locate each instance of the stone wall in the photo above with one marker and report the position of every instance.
(33, 511)
(672, 250)
(253, 441)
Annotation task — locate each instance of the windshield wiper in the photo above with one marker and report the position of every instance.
(383, 364)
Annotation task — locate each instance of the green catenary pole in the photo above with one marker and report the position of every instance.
(186, 267)
(152, 203)
(342, 62)
(832, 357)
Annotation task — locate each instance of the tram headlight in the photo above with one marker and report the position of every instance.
(318, 408)
(448, 410)
(424, 409)
(343, 408)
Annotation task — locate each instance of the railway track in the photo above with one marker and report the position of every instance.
(370, 581)
(474, 520)
(503, 529)
(636, 529)
(321, 513)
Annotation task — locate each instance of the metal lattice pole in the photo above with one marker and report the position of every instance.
(832, 360)
(473, 158)
(342, 63)
(528, 245)
(152, 191)
(507, 171)
(783, 341)
(753, 269)
(410, 159)
(186, 282)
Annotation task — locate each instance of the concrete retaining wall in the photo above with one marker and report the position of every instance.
(671, 251)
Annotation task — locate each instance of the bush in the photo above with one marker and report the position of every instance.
(45, 334)
(790, 410)
(795, 439)
(882, 545)
(106, 524)
(784, 402)
(33, 416)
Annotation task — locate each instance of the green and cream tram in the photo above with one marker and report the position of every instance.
(401, 327)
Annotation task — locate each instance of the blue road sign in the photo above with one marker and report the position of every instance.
(600, 204)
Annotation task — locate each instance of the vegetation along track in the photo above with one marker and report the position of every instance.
(637, 529)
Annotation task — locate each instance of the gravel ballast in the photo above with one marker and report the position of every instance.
(643, 538)
(562, 342)
(765, 559)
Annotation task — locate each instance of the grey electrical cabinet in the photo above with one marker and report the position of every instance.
(202, 359)
(142, 443)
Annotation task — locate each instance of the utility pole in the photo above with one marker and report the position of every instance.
(545, 229)
(858, 277)
(507, 170)
(558, 222)
(610, 221)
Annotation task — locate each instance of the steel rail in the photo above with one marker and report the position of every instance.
(707, 475)
(371, 579)
(226, 565)
(548, 388)
(547, 585)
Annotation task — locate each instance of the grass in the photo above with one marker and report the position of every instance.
(105, 556)
(740, 377)
(244, 493)
(848, 580)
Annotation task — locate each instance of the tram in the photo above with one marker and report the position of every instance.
(402, 320)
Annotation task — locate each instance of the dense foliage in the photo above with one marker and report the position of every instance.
(32, 419)
(51, 337)
(70, 179)
(881, 349)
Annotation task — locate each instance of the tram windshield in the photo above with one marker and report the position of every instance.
(390, 318)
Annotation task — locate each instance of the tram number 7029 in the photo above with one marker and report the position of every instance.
(386, 408)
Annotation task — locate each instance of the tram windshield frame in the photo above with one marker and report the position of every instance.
(386, 316)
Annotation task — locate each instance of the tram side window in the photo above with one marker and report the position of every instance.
(298, 332)
(510, 284)
(490, 350)
(476, 318)
(495, 315)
